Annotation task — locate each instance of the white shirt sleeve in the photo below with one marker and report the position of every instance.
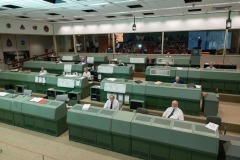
(106, 104)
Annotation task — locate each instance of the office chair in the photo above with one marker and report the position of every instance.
(141, 110)
(27, 92)
(12, 91)
(216, 120)
(63, 98)
(120, 106)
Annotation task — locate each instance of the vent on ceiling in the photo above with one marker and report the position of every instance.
(192, 1)
(54, 1)
(78, 19)
(22, 17)
(53, 14)
(89, 10)
(11, 6)
(135, 6)
(52, 21)
(111, 16)
(64, 20)
(221, 8)
(127, 15)
(194, 10)
(150, 13)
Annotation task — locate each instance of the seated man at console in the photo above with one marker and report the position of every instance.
(43, 71)
(87, 74)
(120, 63)
(177, 80)
(211, 66)
(167, 64)
(174, 112)
(58, 60)
(112, 103)
(83, 61)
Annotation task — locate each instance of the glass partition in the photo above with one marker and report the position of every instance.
(234, 46)
(138, 43)
(94, 43)
(176, 43)
(65, 43)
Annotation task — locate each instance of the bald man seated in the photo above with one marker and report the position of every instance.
(211, 66)
(120, 63)
(87, 74)
(43, 71)
(177, 80)
(174, 112)
(112, 103)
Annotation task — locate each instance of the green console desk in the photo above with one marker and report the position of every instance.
(69, 57)
(217, 80)
(92, 127)
(162, 138)
(114, 71)
(53, 67)
(156, 96)
(139, 63)
(143, 136)
(39, 83)
(183, 61)
(48, 117)
(96, 60)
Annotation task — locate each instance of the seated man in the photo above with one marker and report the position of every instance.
(177, 80)
(87, 74)
(43, 71)
(83, 61)
(112, 103)
(174, 112)
(211, 66)
(58, 60)
(120, 63)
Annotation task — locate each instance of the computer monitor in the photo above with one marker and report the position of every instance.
(19, 89)
(134, 105)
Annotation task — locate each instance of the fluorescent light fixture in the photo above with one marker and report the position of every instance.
(125, 1)
(99, 4)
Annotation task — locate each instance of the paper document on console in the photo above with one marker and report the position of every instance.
(212, 126)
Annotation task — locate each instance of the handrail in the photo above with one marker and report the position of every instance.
(27, 59)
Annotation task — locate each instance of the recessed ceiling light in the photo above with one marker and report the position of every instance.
(149, 13)
(194, 10)
(192, 1)
(111, 16)
(11, 6)
(89, 10)
(135, 6)
(78, 19)
(52, 14)
(54, 1)
(22, 17)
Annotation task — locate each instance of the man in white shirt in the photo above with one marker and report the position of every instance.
(83, 61)
(174, 112)
(120, 63)
(87, 74)
(112, 103)
(211, 66)
(58, 60)
(43, 71)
